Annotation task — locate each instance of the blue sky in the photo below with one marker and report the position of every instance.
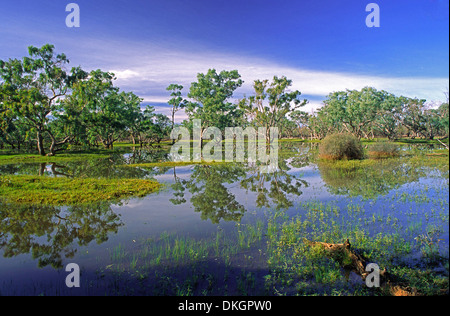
(322, 45)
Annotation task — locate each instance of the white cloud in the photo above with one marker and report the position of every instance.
(148, 68)
(125, 74)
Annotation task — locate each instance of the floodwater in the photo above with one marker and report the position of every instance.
(204, 232)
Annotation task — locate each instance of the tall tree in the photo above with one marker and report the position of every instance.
(210, 94)
(33, 87)
(176, 101)
(271, 103)
(105, 113)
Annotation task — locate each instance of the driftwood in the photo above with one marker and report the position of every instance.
(350, 259)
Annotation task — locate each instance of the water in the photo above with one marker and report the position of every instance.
(141, 246)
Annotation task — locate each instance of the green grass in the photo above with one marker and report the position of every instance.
(67, 191)
(31, 158)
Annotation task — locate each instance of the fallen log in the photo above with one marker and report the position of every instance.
(348, 258)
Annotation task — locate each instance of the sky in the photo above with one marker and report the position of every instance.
(323, 46)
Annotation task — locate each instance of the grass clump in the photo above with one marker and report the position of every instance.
(341, 146)
(384, 149)
(68, 191)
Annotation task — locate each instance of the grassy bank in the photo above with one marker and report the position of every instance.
(32, 158)
(67, 191)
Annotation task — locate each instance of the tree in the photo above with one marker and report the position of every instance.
(412, 115)
(271, 103)
(176, 102)
(355, 110)
(443, 118)
(158, 126)
(211, 93)
(33, 87)
(386, 122)
(105, 113)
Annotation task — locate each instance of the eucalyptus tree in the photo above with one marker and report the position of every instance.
(211, 104)
(271, 103)
(105, 113)
(177, 102)
(32, 88)
(13, 130)
(386, 121)
(354, 110)
(444, 119)
(412, 115)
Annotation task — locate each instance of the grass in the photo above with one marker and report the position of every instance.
(383, 149)
(67, 191)
(299, 269)
(31, 158)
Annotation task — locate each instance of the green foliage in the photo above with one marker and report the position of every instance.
(341, 146)
(271, 104)
(31, 90)
(211, 93)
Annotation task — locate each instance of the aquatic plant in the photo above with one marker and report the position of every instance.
(383, 149)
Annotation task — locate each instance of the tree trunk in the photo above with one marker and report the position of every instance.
(40, 143)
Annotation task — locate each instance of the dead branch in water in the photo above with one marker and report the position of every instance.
(350, 259)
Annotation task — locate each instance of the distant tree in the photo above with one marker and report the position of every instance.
(177, 102)
(354, 110)
(271, 103)
(210, 94)
(105, 113)
(160, 128)
(387, 111)
(412, 116)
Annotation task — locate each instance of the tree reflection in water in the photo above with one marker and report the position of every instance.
(51, 234)
(212, 197)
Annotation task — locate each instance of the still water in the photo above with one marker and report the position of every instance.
(206, 227)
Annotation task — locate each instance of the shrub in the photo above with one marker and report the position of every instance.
(384, 149)
(341, 146)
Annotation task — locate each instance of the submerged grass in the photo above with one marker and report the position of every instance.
(69, 191)
(300, 269)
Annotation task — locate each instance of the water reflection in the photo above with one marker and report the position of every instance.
(371, 178)
(50, 233)
(209, 186)
(210, 195)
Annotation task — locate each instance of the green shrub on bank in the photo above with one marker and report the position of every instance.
(341, 146)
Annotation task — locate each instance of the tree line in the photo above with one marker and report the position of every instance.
(46, 107)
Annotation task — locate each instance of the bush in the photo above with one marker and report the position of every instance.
(384, 149)
(341, 146)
